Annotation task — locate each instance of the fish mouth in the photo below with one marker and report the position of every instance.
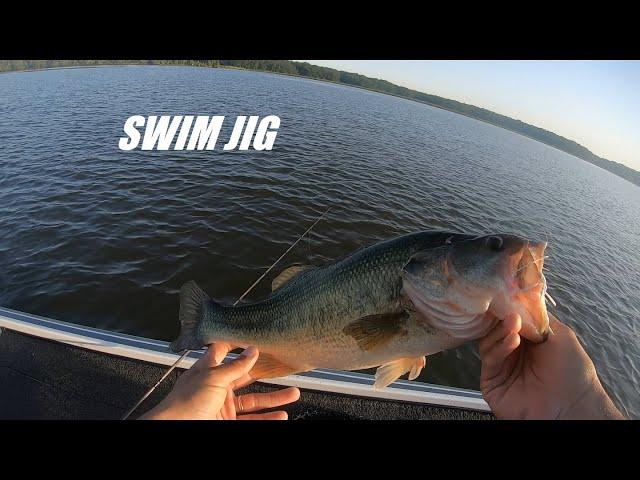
(531, 254)
(527, 289)
(460, 288)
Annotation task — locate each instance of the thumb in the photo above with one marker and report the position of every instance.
(231, 371)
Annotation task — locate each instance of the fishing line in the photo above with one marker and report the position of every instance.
(152, 389)
(282, 256)
(172, 368)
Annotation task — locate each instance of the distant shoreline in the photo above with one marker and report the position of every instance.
(342, 84)
(305, 77)
(403, 98)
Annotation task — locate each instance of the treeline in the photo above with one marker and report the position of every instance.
(14, 65)
(329, 74)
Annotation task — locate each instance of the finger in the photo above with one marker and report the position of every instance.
(213, 356)
(511, 324)
(243, 381)
(228, 409)
(261, 401)
(494, 358)
(231, 371)
(279, 415)
(218, 351)
(205, 361)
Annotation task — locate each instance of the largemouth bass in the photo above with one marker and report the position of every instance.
(388, 306)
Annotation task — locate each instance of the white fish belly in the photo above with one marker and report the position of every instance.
(342, 352)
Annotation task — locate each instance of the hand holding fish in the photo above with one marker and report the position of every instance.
(206, 391)
(551, 380)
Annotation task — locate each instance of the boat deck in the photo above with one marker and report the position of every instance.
(44, 379)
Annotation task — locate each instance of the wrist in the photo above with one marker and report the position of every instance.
(593, 404)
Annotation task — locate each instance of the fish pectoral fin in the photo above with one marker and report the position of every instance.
(390, 372)
(287, 274)
(268, 366)
(376, 330)
(417, 367)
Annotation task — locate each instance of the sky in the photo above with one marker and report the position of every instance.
(594, 103)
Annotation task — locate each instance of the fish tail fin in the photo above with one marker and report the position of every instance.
(192, 300)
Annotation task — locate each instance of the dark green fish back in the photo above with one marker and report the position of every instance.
(323, 299)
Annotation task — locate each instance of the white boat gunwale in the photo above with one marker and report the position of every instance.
(157, 352)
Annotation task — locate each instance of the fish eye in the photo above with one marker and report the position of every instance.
(495, 243)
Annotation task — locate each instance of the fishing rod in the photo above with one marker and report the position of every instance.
(186, 352)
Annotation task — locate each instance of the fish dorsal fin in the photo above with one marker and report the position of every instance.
(390, 372)
(287, 274)
(376, 330)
